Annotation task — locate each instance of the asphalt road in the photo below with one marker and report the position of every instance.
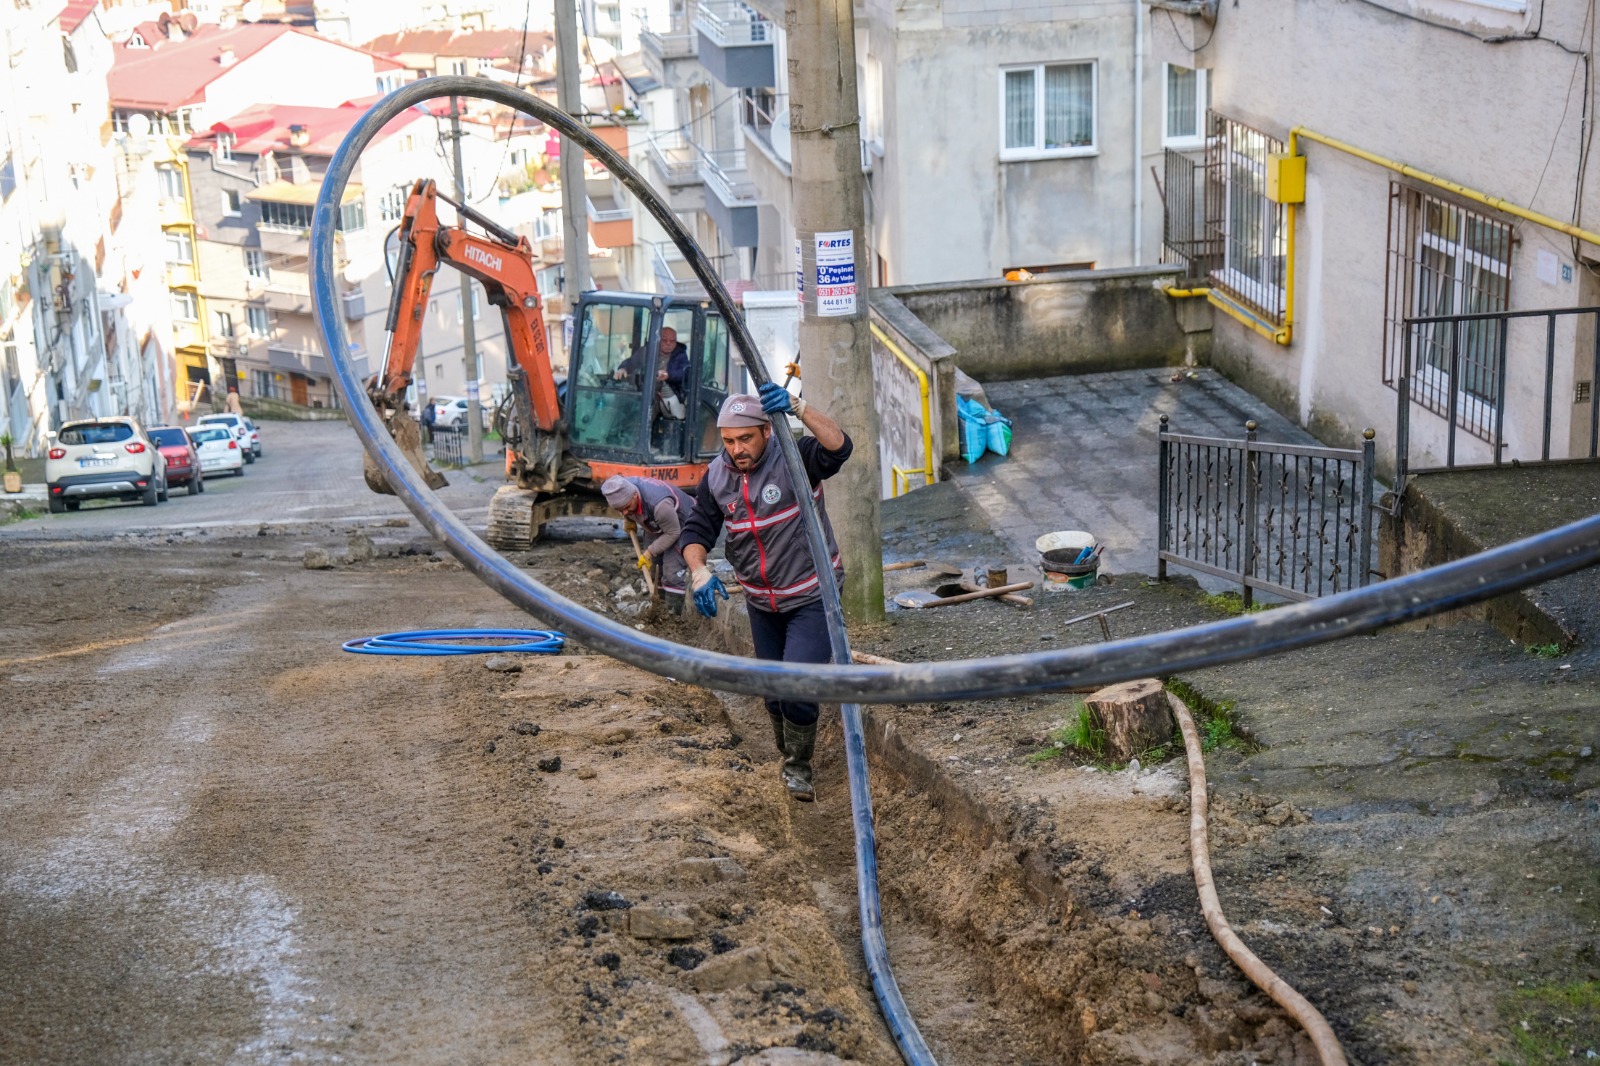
(308, 472)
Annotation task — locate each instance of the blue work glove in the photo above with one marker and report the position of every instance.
(707, 586)
(775, 399)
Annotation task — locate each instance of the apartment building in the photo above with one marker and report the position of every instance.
(169, 84)
(1368, 164)
(71, 342)
(994, 136)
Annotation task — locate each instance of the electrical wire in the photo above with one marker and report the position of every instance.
(435, 642)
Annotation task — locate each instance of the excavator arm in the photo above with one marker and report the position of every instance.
(503, 263)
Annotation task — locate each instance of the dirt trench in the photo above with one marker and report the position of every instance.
(230, 841)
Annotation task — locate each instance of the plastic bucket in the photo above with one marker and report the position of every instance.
(1061, 577)
(1064, 547)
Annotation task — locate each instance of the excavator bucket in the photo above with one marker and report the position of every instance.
(408, 435)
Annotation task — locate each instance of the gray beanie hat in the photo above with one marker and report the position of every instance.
(619, 492)
(742, 410)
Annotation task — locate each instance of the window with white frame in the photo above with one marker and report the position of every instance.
(392, 204)
(169, 181)
(1447, 259)
(1254, 236)
(255, 265)
(1047, 109)
(1187, 96)
(185, 305)
(232, 203)
(180, 246)
(222, 325)
(225, 143)
(258, 321)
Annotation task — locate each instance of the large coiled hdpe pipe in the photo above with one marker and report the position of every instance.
(1444, 588)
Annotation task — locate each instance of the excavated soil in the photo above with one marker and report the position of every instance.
(229, 841)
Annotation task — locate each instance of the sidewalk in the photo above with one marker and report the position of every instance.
(1084, 456)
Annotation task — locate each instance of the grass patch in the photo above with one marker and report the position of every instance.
(1553, 1023)
(1545, 651)
(19, 515)
(1230, 604)
(1084, 742)
(1213, 718)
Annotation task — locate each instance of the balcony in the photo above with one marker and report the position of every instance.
(730, 196)
(180, 275)
(610, 218)
(226, 347)
(674, 276)
(671, 55)
(677, 168)
(288, 292)
(297, 360)
(736, 44)
(285, 240)
(174, 211)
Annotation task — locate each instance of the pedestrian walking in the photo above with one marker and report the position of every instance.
(747, 491)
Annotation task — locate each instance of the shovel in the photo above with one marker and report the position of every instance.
(967, 586)
(922, 598)
(649, 582)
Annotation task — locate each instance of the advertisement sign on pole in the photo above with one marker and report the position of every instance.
(836, 274)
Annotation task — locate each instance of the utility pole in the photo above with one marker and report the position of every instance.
(469, 330)
(830, 224)
(574, 195)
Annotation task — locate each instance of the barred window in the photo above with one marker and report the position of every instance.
(1250, 228)
(1445, 259)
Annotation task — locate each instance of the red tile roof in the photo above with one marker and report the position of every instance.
(475, 44)
(75, 12)
(173, 74)
(266, 128)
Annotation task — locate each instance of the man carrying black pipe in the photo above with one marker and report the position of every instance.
(748, 491)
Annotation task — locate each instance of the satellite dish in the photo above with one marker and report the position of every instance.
(139, 125)
(250, 10)
(780, 135)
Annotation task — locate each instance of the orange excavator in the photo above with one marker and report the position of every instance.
(628, 403)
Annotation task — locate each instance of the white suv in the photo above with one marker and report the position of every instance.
(243, 431)
(111, 456)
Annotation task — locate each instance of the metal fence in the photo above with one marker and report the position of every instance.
(1186, 239)
(1458, 368)
(449, 448)
(1289, 519)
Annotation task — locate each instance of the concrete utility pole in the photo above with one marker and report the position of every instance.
(574, 195)
(829, 220)
(469, 328)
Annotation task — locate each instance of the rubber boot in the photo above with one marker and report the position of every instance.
(777, 730)
(798, 741)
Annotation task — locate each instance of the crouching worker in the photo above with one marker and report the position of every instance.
(659, 509)
(748, 492)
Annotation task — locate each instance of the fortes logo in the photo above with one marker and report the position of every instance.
(492, 261)
(837, 242)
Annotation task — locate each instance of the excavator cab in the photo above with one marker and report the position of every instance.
(646, 376)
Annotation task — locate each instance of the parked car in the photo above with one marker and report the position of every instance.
(183, 462)
(218, 448)
(98, 457)
(450, 413)
(238, 425)
(255, 437)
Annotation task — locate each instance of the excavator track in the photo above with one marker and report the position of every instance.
(517, 517)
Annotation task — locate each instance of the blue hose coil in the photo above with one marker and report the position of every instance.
(426, 642)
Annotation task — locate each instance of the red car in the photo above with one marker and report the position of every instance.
(183, 465)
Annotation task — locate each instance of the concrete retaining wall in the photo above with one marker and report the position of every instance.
(1069, 323)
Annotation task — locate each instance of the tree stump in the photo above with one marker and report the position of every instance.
(1134, 715)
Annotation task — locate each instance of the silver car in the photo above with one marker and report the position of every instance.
(100, 457)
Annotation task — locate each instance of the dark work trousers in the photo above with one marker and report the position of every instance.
(797, 636)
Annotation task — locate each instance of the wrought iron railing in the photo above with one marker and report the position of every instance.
(1458, 368)
(1289, 519)
(1185, 237)
(447, 448)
